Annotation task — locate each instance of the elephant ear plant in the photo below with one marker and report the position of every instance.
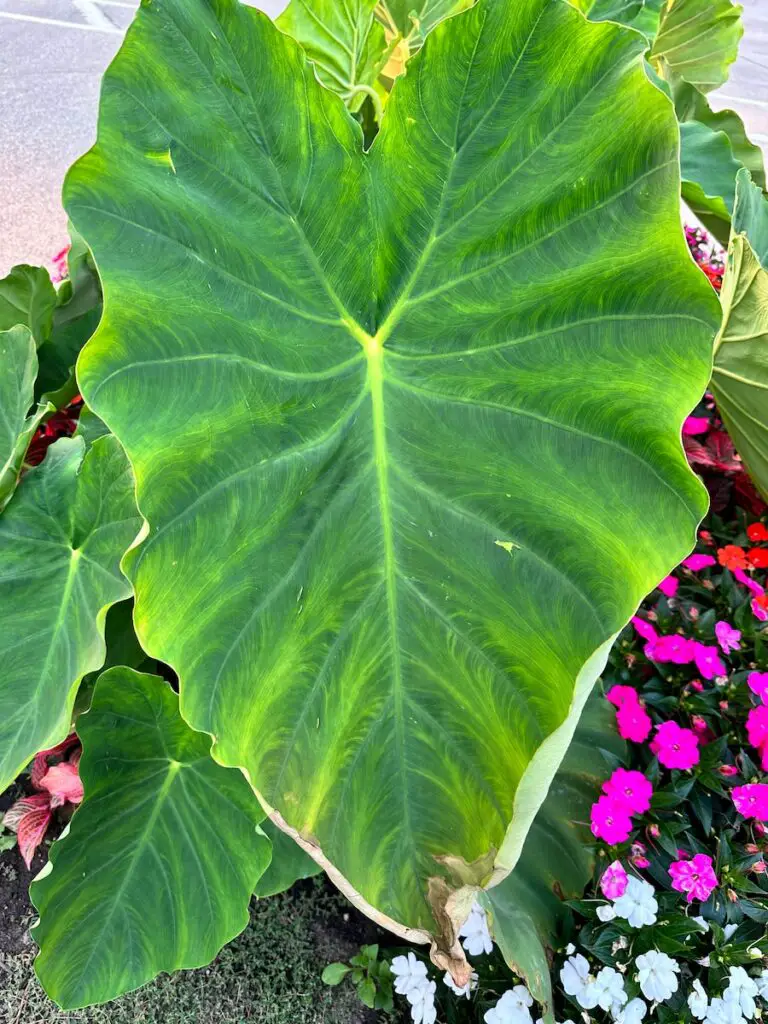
(404, 424)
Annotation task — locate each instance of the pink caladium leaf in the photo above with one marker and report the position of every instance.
(63, 783)
(29, 819)
(42, 759)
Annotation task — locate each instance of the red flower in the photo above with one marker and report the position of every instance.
(757, 532)
(732, 557)
(758, 558)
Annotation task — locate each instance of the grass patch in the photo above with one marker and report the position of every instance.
(268, 975)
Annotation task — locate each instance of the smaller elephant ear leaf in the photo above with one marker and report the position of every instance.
(699, 40)
(28, 297)
(61, 540)
(17, 424)
(740, 375)
(158, 866)
(345, 42)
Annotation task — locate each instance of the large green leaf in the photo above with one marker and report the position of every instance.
(157, 868)
(405, 423)
(344, 41)
(27, 297)
(699, 40)
(740, 375)
(557, 859)
(18, 424)
(61, 539)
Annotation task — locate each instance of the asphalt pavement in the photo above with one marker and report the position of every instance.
(52, 56)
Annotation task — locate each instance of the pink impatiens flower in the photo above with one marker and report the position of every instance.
(695, 877)
(613, 882)
(633, 722)
(619, 695)
(610, 821)
(695, 425)
(675, 746)
(675, 648)
(758, 683)
(727, 637)
(757, 726)
(644, 629)
(708, 661)
(697, 562)
(752, 800)
(668, 586)
(748, 582)
(630, 789)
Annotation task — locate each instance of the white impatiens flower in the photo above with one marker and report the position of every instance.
(724, 1011)
(632, 1013)
(422, 1000)
(729, 930)
(606, 912)
(762, 984)
(512, 1008)
(574, 975)
(569, 949)
(410, 973)
(741, 990)
(465, 990)
(704, 925)
(606, 991)
(657, 974)
(474, 931)
(638, 905)
(698, 1003)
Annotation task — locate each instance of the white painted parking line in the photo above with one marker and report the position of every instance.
(93, 16)
(12, 16)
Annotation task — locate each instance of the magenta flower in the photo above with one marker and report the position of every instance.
(695, 425)
(675, 648)
(630, 789)
(675, 746)
(752, 800)
(758, 611)
(697, 562)
(644, 629)
(633, 722)
(758, 683)
(614, 881)
(695, 877)
(610, 821)
(748, 582)
(619, 695)
(668, 586)
(757, 726)
(708, 660)
(727, 637)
